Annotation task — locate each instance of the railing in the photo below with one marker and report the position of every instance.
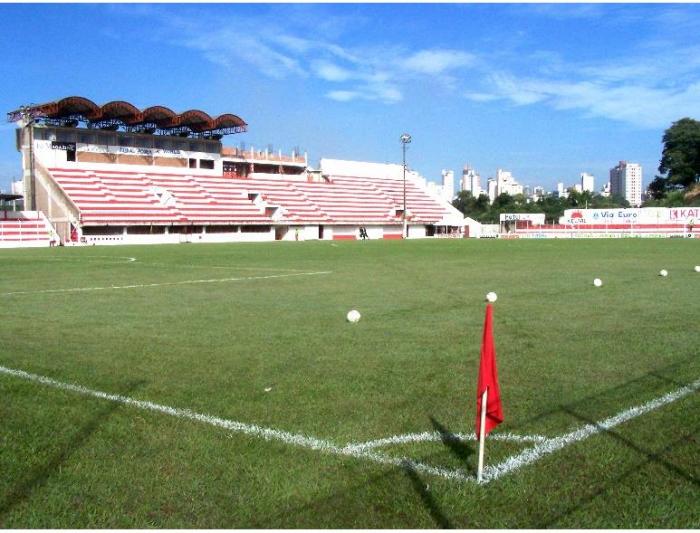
(265, 155)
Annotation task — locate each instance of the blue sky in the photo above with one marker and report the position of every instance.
(544, 90)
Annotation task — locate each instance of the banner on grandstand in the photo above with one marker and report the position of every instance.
(642, 215)
(685, 214)
(535, 218)
(59, 145)
(106, 149)
(129, 150)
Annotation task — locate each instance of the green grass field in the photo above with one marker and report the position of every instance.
(255, 334)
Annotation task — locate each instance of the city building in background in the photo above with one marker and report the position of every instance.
(506, 183)
(471, 181)
(587, 182)
(448, 185)
(626, 181)
(492, 188)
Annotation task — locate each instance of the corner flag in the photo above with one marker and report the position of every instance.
(488, 380)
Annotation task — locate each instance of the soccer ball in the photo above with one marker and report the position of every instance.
(663, 273)
(491, 297)
(697, 268)
(597, 282)
(353, 316)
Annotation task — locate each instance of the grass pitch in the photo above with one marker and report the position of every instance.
(256, 334)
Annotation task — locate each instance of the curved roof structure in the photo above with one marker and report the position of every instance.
(118, 109)
(228, 120)
(158, 115)
(120, 114)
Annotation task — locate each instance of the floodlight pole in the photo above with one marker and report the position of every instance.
(405, 139)
(28, 120)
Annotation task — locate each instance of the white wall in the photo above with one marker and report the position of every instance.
(175, 238)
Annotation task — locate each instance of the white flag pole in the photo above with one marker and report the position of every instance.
(482, 434)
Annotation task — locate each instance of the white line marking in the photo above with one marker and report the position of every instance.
(557, 443)
(80, 258)
(229, 267)
(253, 430)
(356, 451)
(435, 436)
(165, 284)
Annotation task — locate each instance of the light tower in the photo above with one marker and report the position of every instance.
(405, 139)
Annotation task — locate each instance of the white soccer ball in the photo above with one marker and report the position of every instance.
(491, 297)
(697, 268)
(353, 316)
(597, 282)
(663, 273)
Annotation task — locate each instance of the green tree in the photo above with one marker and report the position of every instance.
(465, 202)
(477, 208)
(680, 158)
(553, 207)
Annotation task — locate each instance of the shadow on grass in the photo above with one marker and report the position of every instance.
(333, 507)
(651, 456)
(36, 477)
(657, 374)
(340, 508)
(460, 449)
(614, 484)
(428, 501)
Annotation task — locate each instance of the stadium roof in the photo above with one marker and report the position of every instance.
(71, 111)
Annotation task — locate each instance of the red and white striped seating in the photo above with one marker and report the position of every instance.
(120, 197)
(109, 197)
(17, 229)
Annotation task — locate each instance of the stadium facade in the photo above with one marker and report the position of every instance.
(115, 174)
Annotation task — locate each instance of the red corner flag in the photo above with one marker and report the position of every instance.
(488, 379)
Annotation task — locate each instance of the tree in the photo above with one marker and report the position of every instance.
(477, 208)
(465, 202)
(680, 159)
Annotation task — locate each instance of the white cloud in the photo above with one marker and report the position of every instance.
(561, 11)
(374, 72)
(228, 49)
(291, 43)
(371, 92)
(517, 91)
(343, 96)
(437, 61)
(648, 88)
(634, 103)
(481, 97)
(388, 94)
(331, 72)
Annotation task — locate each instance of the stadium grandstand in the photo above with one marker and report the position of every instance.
(115, 174)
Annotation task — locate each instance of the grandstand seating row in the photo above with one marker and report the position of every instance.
(111, 197)
(23, 228)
